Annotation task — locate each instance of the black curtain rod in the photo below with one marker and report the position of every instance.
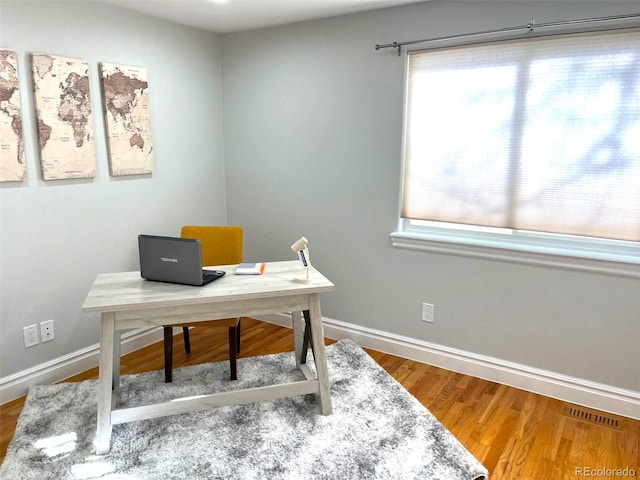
(529, 27)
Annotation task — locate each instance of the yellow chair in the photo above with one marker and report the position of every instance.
(221, 245)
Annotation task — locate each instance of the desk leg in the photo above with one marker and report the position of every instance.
(320, 357)
(116, 365)
(105, 383)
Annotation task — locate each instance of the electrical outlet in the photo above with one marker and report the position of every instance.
(46, 331)
(427, 312)
(30, 335)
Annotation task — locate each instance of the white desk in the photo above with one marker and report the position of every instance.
(126, 301)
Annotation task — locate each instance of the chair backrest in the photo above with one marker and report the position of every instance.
(221, 245)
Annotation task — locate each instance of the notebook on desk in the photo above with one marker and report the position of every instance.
(173, 260)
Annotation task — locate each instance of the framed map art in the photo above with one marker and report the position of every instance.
(64, 117)
(125, 97)
(12, 160)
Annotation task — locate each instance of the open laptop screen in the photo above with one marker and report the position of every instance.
(173, 260)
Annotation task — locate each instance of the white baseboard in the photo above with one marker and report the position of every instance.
(61, 368)
(551, 384)
(570, 389)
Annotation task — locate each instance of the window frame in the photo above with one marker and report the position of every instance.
(615, 257)
(533, 248)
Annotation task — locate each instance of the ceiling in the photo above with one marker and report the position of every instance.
(225, 16)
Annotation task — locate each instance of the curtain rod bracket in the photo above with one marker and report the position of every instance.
(396, 45)
(531, 24)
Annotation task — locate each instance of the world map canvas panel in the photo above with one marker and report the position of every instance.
(12, 158)
(125, 96)
(64, 117)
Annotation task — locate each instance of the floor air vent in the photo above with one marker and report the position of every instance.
(593, 416)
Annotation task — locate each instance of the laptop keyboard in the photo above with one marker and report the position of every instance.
(209, 275)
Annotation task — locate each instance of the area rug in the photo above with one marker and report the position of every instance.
(377, 430)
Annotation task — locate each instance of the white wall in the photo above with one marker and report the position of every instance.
(313, 124)
(55, 236)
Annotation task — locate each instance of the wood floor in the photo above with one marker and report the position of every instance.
(515, 434)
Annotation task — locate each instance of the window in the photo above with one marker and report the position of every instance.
(526, 145)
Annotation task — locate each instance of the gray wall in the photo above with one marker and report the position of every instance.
(313, 124)
(55, 236)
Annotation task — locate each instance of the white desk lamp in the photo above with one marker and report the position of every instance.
(300, 247)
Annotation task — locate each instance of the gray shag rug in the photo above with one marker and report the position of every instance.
(377, 431)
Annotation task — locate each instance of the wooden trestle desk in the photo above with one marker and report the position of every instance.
(126, 301)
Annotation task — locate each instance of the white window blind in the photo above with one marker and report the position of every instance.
(540, 135)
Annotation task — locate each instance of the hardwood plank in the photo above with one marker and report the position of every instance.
(516, 434)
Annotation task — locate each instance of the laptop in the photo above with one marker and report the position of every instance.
(174, 260)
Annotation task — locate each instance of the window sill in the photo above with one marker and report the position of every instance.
(626, 263)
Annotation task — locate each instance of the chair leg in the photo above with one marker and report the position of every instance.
(187, 341)
(307, 336)
(168, 354)
(233, 336)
